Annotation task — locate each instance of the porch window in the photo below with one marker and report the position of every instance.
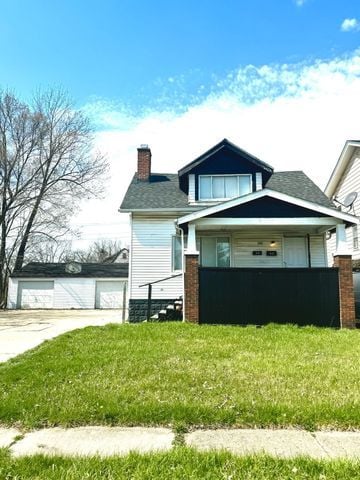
(176, 253)
(215, 251)
(218, 187)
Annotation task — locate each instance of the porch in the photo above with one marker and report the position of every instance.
(261, 274)
(258, 296)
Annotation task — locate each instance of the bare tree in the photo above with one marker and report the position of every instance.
(48, 252)
(47, 166)
(100, 251)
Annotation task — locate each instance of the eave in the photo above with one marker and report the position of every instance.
(328, 212)
(340, 167)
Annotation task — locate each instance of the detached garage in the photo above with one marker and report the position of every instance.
(69, 285)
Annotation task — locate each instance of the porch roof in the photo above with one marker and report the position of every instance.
(325, 216)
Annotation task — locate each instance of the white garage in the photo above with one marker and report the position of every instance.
(71, 285)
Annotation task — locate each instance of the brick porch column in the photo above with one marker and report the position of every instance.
(346, 290)
(191, 281)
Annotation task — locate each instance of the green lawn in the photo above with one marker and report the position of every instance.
(183, 375)
(180, 464)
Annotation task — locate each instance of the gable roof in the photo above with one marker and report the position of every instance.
(266, 192)
(47, 270)
(297, 184)
(225, 144)
(341, 165)
(112, 258)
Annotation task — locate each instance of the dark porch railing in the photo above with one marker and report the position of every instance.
(303, 296)
(149, 285)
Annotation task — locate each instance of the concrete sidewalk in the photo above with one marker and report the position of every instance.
(107, 441)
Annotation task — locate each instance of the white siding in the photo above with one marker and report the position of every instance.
(243, 244)
(74, 293)
(330, 248)
(318, 251)
(191, 193)
(350, 182)
(12, 293)
(151, 257)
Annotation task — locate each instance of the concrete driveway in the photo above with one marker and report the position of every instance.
(21, 330)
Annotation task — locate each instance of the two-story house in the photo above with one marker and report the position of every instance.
(239, 242)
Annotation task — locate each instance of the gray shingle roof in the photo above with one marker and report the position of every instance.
(47, 270)
(163, 191)
(299, 185)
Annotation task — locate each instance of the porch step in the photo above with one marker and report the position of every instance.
(172, 312)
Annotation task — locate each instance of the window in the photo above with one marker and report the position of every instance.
(355, 237)
(215, 251)
(223, 186)
(176, 253)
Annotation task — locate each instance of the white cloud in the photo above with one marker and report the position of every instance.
(300, 3)
(295, 117)
(350, 24)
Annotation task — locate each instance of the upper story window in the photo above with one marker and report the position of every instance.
(217, 187)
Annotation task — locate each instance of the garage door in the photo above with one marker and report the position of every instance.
(33, 294)
(110, 294)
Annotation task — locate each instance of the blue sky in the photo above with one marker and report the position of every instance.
(281, 79)
(140, 53)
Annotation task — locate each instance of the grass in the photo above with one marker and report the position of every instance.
(181, 464)
(184, 375)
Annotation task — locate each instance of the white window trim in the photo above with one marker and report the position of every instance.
(355, 239)
(178, 270)
(249, 175)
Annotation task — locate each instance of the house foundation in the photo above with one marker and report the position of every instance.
(346, 290)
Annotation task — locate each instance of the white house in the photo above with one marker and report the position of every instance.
(343, 188)
(239, 242)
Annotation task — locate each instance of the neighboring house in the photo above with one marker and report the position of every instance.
(122, 256)
(344, 186)
(69, 285)
(240, 243)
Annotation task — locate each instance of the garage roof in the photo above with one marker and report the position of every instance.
(50, 270)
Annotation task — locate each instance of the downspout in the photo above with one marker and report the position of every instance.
(129, 293)
(183, 266)
(309, 249)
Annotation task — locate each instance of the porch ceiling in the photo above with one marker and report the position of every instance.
(284, 229)
(316, 225)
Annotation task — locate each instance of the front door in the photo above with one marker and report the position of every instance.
(295, 252)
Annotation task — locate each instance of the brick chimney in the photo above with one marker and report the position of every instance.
(144, 163)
